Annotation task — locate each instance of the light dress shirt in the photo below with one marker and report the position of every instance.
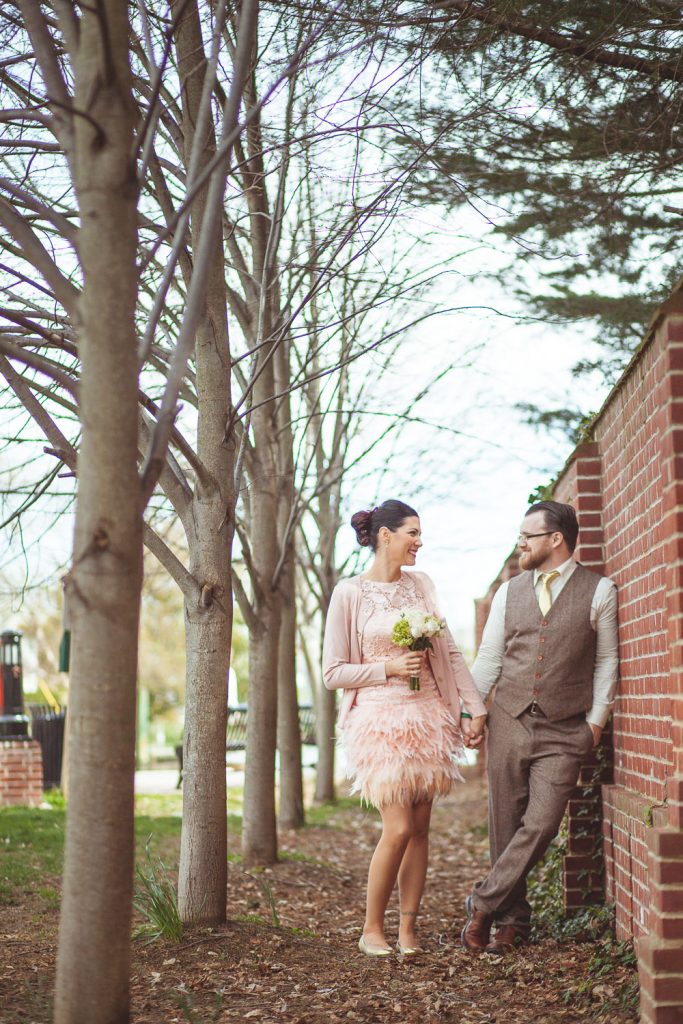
(489, 660)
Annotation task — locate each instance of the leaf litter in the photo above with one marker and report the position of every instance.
(308, 970)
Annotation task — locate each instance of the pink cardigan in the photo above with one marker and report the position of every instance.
(342, 668)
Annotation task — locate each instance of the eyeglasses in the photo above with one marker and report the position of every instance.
(524, 537)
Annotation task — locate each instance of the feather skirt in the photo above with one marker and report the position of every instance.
(403, 751)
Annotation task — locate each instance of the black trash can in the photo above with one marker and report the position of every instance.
(47, 727)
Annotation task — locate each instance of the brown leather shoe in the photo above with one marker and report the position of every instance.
(477, 931)
(507, 938)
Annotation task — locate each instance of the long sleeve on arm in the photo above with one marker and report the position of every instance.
(489, 660)
(463, 680)
(606, 673)
(339, 672)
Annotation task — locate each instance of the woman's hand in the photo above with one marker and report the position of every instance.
(406, 665)
(473, 730)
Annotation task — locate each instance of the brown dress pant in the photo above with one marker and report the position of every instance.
(533, 768)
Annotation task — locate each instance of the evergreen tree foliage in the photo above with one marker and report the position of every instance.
(560, 122)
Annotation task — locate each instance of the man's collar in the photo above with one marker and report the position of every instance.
(564, 570)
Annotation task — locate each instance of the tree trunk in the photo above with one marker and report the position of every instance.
(259, 832)
(326, 714)
(202, 878)
(326, 703)
(288, 731)
(94, 938)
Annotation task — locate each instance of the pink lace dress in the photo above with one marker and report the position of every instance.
(402, 746)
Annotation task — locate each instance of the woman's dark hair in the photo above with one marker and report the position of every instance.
(367, 524)
(560, 518)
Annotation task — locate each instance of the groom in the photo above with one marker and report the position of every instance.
(550, 648)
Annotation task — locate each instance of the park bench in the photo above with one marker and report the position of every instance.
(236, 737)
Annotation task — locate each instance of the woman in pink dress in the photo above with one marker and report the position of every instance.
(402, 745)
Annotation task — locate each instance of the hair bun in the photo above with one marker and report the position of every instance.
(361, 522)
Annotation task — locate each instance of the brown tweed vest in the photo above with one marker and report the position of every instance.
(549, 660)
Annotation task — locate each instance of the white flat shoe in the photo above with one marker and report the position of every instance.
(364, 947)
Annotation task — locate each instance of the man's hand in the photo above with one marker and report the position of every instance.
(473, 731)
(597, 733)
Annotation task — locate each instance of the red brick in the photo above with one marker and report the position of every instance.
(660, 957)
(668, 926)
(663, 988)
(668, 900)
(651, 1013)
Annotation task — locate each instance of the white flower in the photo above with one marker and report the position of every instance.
(422, 624)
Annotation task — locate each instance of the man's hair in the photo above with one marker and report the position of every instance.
(559, 518)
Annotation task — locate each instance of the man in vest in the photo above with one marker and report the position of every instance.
(550, 648)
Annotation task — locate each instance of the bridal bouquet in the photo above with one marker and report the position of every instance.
(415, 630)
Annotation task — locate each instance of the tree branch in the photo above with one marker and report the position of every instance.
(170, 561)
(581, 47)
(248, 613)
(21, 389)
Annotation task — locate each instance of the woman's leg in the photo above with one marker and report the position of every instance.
(397, 829)
(412, 873)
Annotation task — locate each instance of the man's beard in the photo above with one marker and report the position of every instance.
(527, 560)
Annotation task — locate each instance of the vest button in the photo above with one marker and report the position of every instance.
(539, 658)
(541, 639)
(545, 622)
(537, 676)
(535, 691)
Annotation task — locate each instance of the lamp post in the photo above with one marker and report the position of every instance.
(13, 720)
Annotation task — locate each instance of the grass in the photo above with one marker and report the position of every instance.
(158, 805)
(31, 845)
(155, 898)
(32, 842)
(324, 815)
(32, 848)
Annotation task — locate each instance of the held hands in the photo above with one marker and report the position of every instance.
(405, 665)
(473, 731)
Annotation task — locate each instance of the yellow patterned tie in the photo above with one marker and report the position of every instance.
(545, 599)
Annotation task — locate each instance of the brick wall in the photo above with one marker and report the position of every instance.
(626, 483)
(629, 436)
(21, 773)
(584, 864)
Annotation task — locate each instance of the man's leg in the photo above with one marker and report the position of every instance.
(557, 750)
(508, 746)
(509, 759)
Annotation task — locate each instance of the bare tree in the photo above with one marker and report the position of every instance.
(83, 340)
(234, 462)
(95, 128)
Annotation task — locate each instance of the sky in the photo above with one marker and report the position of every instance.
(470, 527)
(473, 494)
(469, 474)
(469, 480)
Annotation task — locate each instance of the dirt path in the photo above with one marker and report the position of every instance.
(307, 970)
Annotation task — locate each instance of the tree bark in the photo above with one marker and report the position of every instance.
(288, 731)
(202, 879)
(325, 719)
(94, 938)
(259, 833)
(326, 703)
(259, 830)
